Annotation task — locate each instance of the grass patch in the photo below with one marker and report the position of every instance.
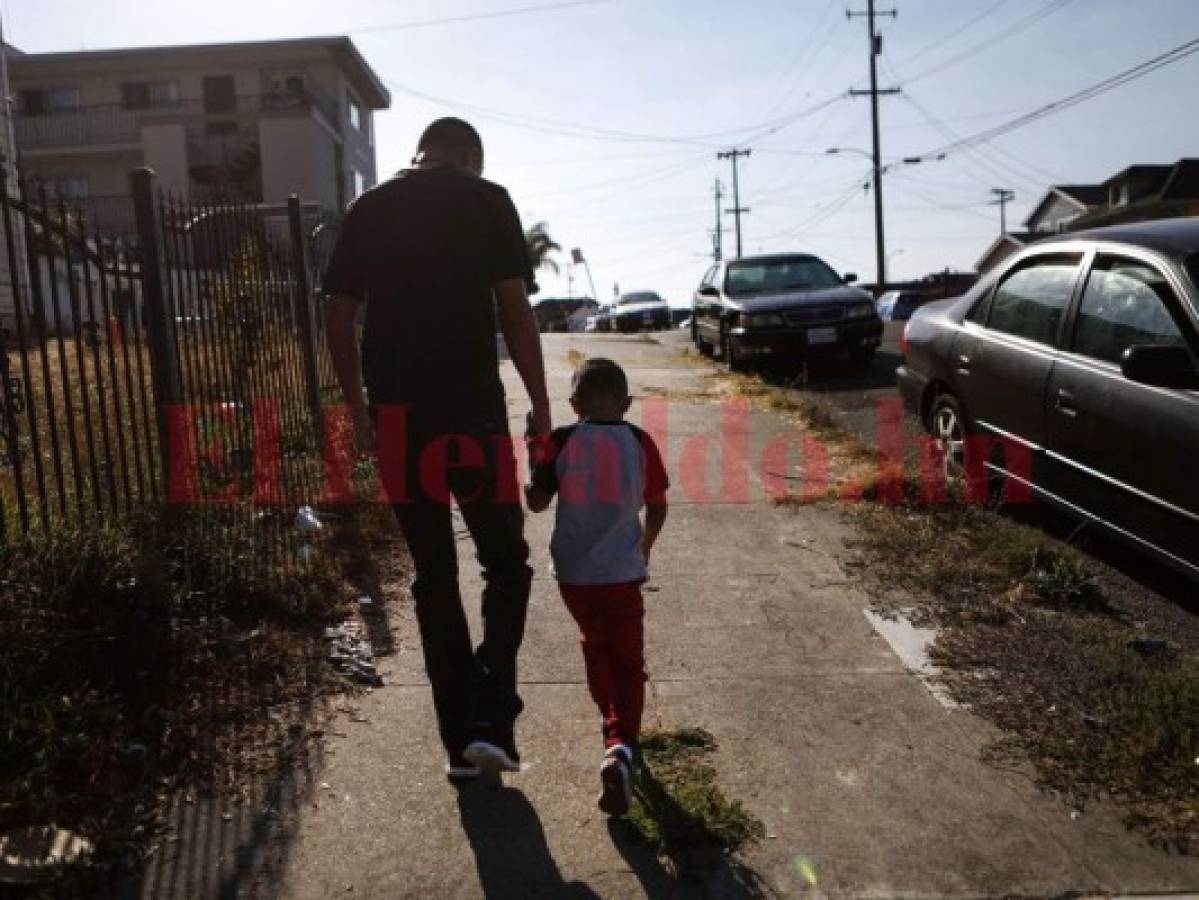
(1032, 639)
(680, 810)
(160, 655)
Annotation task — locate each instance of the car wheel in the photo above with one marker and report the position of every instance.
(728, 350)
(862, 356)
(948, 429)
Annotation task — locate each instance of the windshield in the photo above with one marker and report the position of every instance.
(640, 297)
(786, 273)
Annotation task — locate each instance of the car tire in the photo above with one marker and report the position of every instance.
(728, 351)
(947, 425)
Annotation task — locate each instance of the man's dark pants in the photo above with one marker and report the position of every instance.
(429, 455)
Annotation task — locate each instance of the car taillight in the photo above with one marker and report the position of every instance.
(903, 339)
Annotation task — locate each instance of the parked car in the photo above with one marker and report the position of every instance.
(601, 321)
(790, 305)
(898, 306)
(562, 313)
(1082, 353)
(640, 311)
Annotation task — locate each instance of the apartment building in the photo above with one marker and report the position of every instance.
(260, 120)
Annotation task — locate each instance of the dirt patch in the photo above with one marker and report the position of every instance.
(160, 658)
(1094, 682)
(1096, 686)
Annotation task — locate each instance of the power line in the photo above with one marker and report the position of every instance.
(475, 17)
(996, 168)
(1088, 93)
(944, 39)
(1015, 28)
(580, 131)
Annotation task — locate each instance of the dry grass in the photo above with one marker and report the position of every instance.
(88, 421)
(1095, 686)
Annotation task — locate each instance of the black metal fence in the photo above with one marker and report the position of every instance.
(182, 365)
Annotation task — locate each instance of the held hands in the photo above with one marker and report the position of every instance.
(537, 435)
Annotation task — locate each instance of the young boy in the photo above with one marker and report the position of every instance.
(604, 470)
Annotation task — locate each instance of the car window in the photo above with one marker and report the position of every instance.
(785, 273)
(709, 277)
(639, 297)
(1125, 303)
(1030, 301)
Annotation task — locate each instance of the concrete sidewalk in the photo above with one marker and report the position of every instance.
(754, 632)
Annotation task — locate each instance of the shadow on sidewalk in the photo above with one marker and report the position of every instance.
(700, 870)
(511, 853)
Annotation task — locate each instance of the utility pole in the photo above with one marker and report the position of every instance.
(737, 209)
(876, 47)
(1003, 196)
(718, 230)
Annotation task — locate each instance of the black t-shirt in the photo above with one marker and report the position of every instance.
(424, 250)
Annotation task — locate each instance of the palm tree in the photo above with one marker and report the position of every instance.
(541, 246)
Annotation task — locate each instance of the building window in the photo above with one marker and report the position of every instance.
(148, 94)
(220, 128)
(357, 117)
(36, 101)
(359, 183)
(287, 83)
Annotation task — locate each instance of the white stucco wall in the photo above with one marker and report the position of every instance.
(164, 149)
(297, 158)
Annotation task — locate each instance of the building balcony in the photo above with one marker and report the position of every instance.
(114, 125)
(90, 126)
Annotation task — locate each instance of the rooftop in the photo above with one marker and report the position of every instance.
(369, 85)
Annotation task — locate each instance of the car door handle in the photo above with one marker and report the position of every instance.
(1066, 404)
(963, 364)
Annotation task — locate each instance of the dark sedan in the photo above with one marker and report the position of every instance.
(792, 306)
(1081, 354)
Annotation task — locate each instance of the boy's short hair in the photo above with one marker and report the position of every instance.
(599, 379)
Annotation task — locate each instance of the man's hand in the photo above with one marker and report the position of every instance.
(537, 438)
(538, 421)
(364, 431)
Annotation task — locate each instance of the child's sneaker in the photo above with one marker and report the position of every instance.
(616, 776)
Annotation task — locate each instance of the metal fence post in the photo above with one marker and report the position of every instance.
(305, 315)
(164, 369)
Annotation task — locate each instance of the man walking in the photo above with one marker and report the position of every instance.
(434, 254)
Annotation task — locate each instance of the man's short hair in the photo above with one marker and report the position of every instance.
(599, 379)
(450, 134)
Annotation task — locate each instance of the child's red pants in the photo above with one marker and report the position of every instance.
(610, 626)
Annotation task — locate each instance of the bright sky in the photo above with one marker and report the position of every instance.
(604, 118)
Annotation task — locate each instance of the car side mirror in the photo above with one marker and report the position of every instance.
(708, 290)
(849, 277)
(1160, 365)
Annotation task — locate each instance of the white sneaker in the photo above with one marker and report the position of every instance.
(489, 758)
(616, 777)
